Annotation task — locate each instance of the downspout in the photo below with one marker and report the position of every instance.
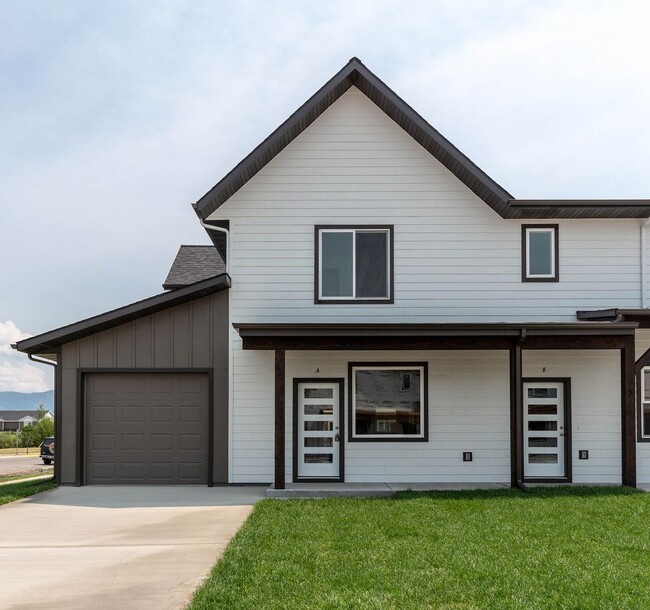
(231, 372)
(643, 262)
(57, 411)
(227, 234)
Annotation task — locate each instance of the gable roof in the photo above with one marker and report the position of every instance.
(9, 415)
(52, 339)
(193, 264)
(354, 73)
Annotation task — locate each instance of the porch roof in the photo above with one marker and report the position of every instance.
(495, 335)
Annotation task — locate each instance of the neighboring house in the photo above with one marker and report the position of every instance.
(17, 420)
(389, 314)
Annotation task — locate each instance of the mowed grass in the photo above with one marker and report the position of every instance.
(580, 547)
(22, 489)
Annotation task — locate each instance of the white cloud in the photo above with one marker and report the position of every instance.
(17, 373)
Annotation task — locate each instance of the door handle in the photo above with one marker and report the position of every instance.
(561, 433)
(336, 437)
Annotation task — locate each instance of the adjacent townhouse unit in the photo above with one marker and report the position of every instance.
(375, 308)
(17, 420)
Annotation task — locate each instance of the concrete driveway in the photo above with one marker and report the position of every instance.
(116, 547)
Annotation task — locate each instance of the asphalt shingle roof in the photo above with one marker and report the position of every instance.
(16, 415)
(193, 264)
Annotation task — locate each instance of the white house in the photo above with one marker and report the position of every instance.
(388, 313)
(17, 420)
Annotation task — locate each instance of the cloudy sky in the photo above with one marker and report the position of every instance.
(115, 116)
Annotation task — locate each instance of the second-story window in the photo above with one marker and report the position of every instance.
(540, 253)
(353, 264)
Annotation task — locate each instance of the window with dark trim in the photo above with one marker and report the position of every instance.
(353, 264)
(388, 401)
(540, 253)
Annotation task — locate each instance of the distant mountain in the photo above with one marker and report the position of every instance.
(16, 401)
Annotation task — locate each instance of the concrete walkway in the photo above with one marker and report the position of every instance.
(116, 547)
(368, 490)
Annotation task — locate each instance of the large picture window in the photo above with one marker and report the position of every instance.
(540, 253)
(388, 401)
(353, 264)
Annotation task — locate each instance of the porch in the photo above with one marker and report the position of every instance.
(604, 351)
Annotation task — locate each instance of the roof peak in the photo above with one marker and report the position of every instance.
(355, 73)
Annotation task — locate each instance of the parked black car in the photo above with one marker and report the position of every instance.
(47, 450)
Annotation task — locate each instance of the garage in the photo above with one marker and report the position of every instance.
(147, 428)
(141, 392)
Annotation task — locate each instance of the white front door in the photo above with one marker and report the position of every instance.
(318, 434)
(544, 430)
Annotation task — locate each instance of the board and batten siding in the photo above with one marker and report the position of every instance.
(192, 335)
(455, 259)
(469, 406)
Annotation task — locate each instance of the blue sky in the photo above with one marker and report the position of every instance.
(115, 116)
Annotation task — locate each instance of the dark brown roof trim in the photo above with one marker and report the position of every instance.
(495, 329)
(103, 321)
(602, 315)
(579, 208)
(355, 73)
(618, 314)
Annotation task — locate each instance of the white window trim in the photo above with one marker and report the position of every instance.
(540, 276)
(353, 297)
(353, 411)
(644, 433)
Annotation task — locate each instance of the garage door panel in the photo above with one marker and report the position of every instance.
(158, 436)
(101, 442)
(161, 442)
(163, 414)
(132, 414)
(103, 385)
(161, 471)
(102, 413)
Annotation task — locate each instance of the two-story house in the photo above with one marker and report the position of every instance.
(387, 312)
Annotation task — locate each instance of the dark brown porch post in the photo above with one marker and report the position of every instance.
(516, 417)
(279, 418)
(628, 427)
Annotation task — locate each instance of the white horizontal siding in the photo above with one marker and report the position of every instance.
(595, 406)
(455, 259)
(469, 406)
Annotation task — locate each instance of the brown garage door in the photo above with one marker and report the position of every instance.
(146, 428)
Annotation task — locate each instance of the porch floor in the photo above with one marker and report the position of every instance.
(367, 490)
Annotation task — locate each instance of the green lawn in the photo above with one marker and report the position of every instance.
(551, 548)
(20, 489)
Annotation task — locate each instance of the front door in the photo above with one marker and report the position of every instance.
(318, 435)
(544, 430)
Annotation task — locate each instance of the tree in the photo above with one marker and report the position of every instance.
(34, 434)
(41, 412)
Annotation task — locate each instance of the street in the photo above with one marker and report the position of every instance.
(22, 464)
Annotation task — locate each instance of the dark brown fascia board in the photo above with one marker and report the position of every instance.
(121, 315)
(355, 73)
(602, 315)
(496, 329)
(578, 208)
(614, 314)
